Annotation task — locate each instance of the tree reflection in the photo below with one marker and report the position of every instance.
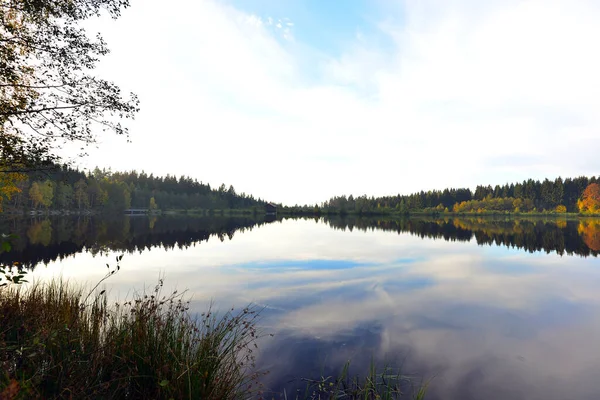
(50, 239)
(590, 233)
(532, 235)
(40, 241)
(40, 232)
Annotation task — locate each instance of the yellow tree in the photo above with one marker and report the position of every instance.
(517, 204)
(47, 193)
(152, 206)
(8, 185)
(41, 194)
(590, 199)
(36, 195)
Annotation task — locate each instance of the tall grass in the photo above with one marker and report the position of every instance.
(55, 342)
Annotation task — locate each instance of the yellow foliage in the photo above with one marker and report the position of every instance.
(590, 200)
(8, 185)
(561, 209)
(517, 204)
(40, 232)
(590, 232)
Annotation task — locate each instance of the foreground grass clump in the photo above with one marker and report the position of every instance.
(55, 342)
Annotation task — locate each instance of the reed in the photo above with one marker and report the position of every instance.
(56, 342)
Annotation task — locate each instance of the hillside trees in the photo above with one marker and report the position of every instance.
(530, 195)
(104, 190)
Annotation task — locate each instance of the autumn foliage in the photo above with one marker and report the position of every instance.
(590, 233)
(590, 199)
(8, 185)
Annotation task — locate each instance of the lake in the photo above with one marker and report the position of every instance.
(485, 308)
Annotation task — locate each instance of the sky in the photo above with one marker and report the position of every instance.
(297, 101)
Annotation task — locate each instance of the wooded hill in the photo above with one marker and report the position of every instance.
(528, 196)
(64, 188)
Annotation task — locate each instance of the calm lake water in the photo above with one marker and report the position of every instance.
(489, 309)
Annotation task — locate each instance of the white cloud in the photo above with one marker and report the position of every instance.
(463, 89)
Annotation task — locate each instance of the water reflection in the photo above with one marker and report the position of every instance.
(42, 240)
(485, 321)
(580, 237)
(590, 232)
(494, 310)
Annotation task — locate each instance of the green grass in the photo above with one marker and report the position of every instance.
(55, 342)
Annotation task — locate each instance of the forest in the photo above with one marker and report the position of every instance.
(64, 188)
(574, 195)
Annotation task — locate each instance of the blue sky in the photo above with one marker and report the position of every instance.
(323, 25)
(296, 101)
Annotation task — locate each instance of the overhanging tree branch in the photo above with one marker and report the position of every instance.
(46, 88)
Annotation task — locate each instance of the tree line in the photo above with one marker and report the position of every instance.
(580, 194)
(64, 188)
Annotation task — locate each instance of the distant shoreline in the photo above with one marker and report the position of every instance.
(295, 213)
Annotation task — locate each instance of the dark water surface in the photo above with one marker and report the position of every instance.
(490, 309)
